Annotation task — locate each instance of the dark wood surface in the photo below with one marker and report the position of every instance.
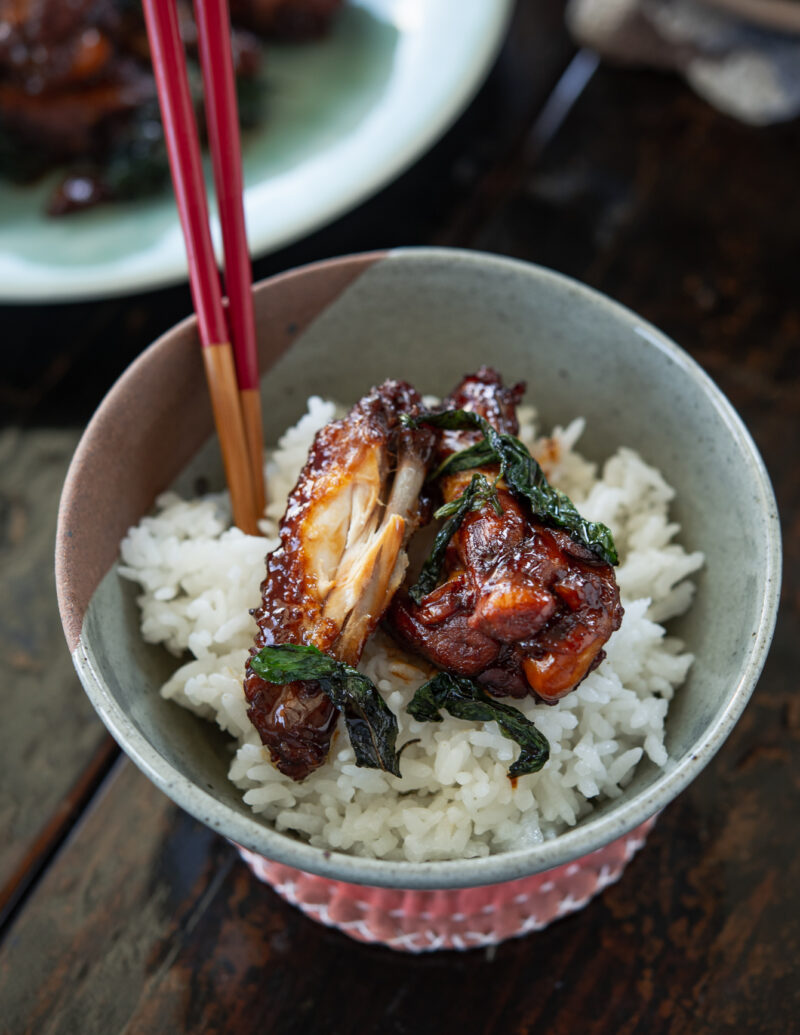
(120, 913)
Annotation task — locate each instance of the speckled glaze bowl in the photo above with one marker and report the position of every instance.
(427, 315)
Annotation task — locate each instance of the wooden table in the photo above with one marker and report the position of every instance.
(120, 913)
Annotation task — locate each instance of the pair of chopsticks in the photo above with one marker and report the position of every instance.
(231, 372)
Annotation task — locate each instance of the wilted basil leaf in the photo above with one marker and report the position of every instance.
(478, 455)
(478, 492)
(371, 725)
(465, 699)
(523, 475)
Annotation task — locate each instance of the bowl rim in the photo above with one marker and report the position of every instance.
(593, 832)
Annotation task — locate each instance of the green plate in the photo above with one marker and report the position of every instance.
(342, 117)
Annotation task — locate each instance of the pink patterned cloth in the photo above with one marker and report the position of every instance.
(458, 918)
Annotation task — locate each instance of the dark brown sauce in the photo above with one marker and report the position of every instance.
(523, 609)
(296, 720)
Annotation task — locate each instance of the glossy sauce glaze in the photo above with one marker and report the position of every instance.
(341, 559)
(523, 608)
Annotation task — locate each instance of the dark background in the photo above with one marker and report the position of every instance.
(120, 913)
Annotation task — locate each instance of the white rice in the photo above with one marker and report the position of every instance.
(200, 577)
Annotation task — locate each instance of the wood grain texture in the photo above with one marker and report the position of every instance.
(51, 742)
(105, 916)
(146, 922)
(229, 422)
(250, 401)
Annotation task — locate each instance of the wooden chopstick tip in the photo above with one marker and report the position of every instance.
(229, 421)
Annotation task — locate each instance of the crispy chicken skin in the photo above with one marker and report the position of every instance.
(524, 609)
(341, 559)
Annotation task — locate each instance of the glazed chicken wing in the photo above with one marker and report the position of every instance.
(341, 559)
(523, 608)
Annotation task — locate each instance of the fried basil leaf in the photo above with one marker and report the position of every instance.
(478, 492)
(465, 699)
(478, 455)
(524, 477)
(371, 725)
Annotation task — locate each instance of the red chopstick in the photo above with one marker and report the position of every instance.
(183, 148)
(222, 119)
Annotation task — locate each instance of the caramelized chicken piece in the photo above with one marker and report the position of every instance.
(341, 559)
(65, 71)
(523, 608)
(68, 123)
(49, 44)
(76, 85)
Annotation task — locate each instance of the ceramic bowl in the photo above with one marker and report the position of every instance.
(427, 315)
